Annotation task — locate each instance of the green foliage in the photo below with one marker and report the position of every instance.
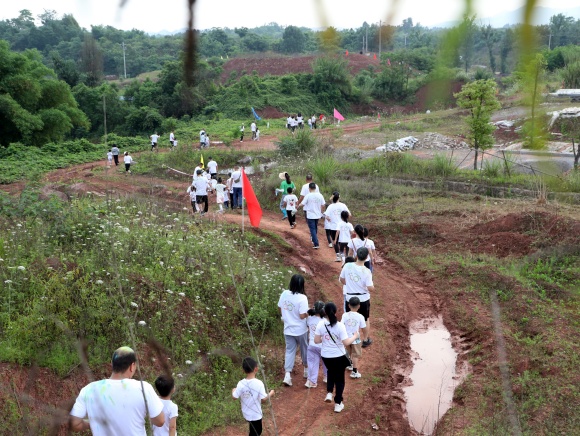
(533, 76)
(293, 40)
(441, 166)
(323, 169)
(571, 75)
(302, 142)
(331, 81)
(34, 107)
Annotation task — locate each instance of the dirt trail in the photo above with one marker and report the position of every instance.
(398, 299)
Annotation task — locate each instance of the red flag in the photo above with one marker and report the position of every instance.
(379, 115)
(254, 209)
(347, 53)
(388, 62)
(375, 56)
(337, 115)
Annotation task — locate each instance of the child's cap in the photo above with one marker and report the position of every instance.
(354, 302)
(282, 176)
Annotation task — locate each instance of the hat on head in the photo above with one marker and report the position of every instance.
(282, 176)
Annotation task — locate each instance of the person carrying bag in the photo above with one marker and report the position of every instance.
(334, 354)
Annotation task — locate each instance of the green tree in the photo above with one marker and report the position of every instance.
(561, 29)
(491, 38)
(329, 39)
(293, 40)
(91, 61)
(331, 81)
(479, 98)
(467, 32)
(507, 43)
(35, 107)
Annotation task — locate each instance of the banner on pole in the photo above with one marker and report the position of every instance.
(254, 208)
(337, 115)
(256, 115)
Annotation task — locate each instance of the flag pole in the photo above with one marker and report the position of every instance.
(243, 172)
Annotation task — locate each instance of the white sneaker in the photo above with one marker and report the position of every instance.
(338, 407)
(355, 374)
(349, 368)
(305, 372)
(287, 379)
(324, 379)
(328, 398)
(338, 258)
(309, 384)
(330, 245)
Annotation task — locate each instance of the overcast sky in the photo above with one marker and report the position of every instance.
(154, 16)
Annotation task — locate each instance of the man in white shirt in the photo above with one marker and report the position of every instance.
(314, 205)
(117, 405)
(253, 129)
(212, 168)
(154, 139)
(201, 191)
(305, 190)
(172, 139)
(358, 281)
(237, 186)
(199, 167)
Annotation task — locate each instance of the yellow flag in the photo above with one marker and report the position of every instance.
(202, 162)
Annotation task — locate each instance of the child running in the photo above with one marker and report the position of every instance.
(109, 158)
(220, 190)
(290, 202)
(128, 161)
(343, 235)
(315, 315)
(251, 392)
(191, 193)
(354, 321)
(165, 386)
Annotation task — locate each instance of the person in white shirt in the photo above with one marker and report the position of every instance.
(242, 129)
(172, 139)
(201, 192)
(305, 190)
(252, 393)
(229, 192)
(313, 121)
(237, 188)
(118, 405)
(253, 129)
(196, 169)
(315, 315)
(165, 386)
(332, 221)
(332, 335)
(290, 203)
(343, 235)
(220, 190)
(115, 151)
(191, 193)
(154, 138)
(360, 241)
(358, 280)
(353, 322)
(206, 141)
(257, 134)
(300, 121)
(293, 306)
(212, 167)
(109, 158)
(310, 123)
(201, 138)
(289, 122)
(128, 161)
(313, 204)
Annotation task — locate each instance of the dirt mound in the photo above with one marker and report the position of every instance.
(504, 244)
(280, 65)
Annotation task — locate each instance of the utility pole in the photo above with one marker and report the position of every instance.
(367, 48)
(380, 29)
(124, 61)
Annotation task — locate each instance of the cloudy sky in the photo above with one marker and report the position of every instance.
(154, 16)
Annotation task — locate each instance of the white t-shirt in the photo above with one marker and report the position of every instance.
(306, 190)
(171, 137)
(345, 230)
(202, 136)
(291, 201)
(170, 411)
(253, 127)
(116, 407)
(220, 188)
(195, 172)
(357, 278)
(191, 192)
(333, 211)
(293, 305)
(309, 121)
(154, 139)
(299, 120)
(128, 159)
(312, 205)
(289, 121)
(237, 175)
(353, 321)
(251, 393)
(356, 243)
(332, 348)
(312, 322)
(370, 245)
(212, 166)
(110, 155)
(200, 186)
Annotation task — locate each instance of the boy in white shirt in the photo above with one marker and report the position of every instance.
(252, 393)
(154, 138)
(165, 386)
(109, 158)
(314, 205)
(354, 321)
(290, 202)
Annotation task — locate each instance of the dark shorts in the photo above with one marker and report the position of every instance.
(171, 142)
(200, 199)
(214, 176)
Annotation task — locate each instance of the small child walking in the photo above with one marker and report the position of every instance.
(128, 161)
(257, 134)
(192, 198)
(354, 321)
(251, 393)
(165, 386)
(290, 201)
(220, 190)
(110, 158)
(315, 315)
(343, 234)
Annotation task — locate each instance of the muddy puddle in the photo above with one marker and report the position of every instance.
(435, 374)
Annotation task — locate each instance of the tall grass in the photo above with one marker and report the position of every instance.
(323, 169)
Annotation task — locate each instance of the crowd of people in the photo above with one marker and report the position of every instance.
(296, 121)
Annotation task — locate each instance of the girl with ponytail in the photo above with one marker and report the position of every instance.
(286, 183)
(358, 242)
(331, 333)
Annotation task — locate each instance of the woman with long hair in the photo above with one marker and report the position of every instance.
(286, 183)
(331, 333)
(358, 242)
(293, 306)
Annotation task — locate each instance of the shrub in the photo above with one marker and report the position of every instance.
(492, 168)
(324, 169)
(302, 142)
(441, 166)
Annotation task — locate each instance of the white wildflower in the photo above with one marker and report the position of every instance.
(99, 282)
(182, 294)
(169, 291)
(134, 304)
(142, 323)
(21, 268)
(188, 362)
